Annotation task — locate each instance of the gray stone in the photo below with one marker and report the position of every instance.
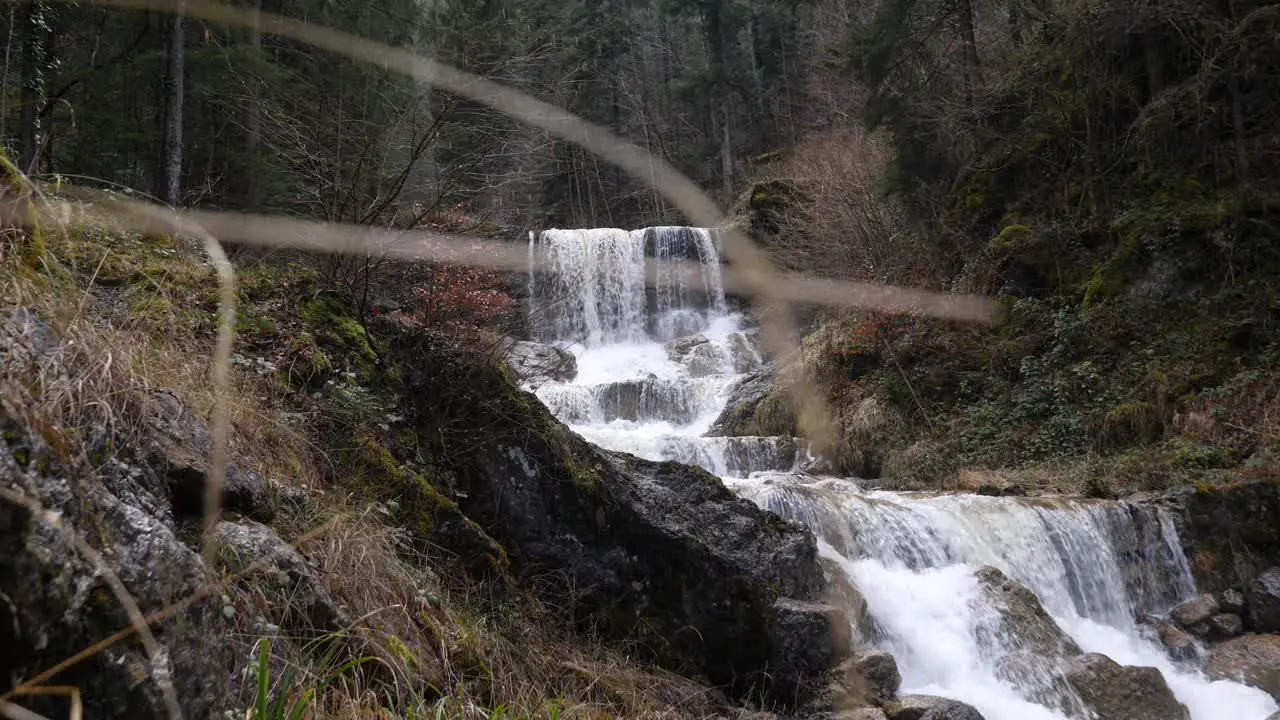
(178, 448)
(808, 639)
(1024, 624)
(1249, 659)
(929, 707)
(1224, 626)
(743, 348)
(739, 414)
(661, 554)
(1231, 600)
(1262, 596)
(1195, 613)
(880, 671)
(698, 355)
(535, 363)
(300, 600)
(1111, 691)
(1179, 644)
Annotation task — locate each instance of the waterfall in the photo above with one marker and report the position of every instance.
(914, 558)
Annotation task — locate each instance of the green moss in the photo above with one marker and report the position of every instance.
(1011, 237)
(584, 478)
(329, 319)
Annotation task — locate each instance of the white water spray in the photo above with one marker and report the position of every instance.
(1095, 566)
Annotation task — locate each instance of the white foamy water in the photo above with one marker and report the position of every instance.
(1095, 566)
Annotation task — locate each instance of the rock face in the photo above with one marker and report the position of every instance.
(1251, 659)
(659, 553)
(1262, 595)
(880, 671)
(742, 414)
(1228, 533)
(1115, 692)
(178, 447)
(928, 707)
(1225, 625)
(1194, 614)
(1023, 622)
(306, 606)
(54, 598)
(536, 363)
(698, 355)
(1231, 601)
(1179, 644)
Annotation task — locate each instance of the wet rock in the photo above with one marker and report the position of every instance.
(1023, 623)
(1111, 691)
(880, 671)
(747, 412)
(1231, 601)
(536, 363)
(1179, 644)
(659, 553)
(1262, 595)
(177, 447)
(842, 593)
(744, 351)
(928, 707)
(1250, 659)
(1194, 614)
(1228, 532)
(698, 355)
(302, 601)
(1224, 626)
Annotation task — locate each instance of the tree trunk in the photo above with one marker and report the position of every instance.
(1015, 23)
(170, 190)
(969, 46)
(253, 118)
(31, 94)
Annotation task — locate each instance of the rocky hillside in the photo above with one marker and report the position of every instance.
(401, 529)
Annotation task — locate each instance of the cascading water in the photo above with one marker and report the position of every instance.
(914, 558)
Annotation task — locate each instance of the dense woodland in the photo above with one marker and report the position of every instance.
(1106, 168)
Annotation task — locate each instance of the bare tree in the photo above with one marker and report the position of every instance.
(170, 189)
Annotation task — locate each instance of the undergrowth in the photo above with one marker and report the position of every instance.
(135, 314)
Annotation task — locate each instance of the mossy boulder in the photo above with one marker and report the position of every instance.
(659, 554)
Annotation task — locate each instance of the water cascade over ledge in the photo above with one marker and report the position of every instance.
(655, 368)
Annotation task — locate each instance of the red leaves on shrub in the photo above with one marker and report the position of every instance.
(461, 298)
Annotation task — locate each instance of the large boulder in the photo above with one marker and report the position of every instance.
(880, 673)
(1194, 614)
(1262, 595)
(661, 554)
(1179, 644)
(1023, 623)
(1110, 691)
(753, 408)
(281, 575)
(928, 707)
(56, 598)
(1250, 659)
(535, 363)
(699, 356)
(1224, 626)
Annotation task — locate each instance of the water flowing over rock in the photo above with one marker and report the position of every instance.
(1066, 576)
(1251, 659)
(1262, 595)
(1113, 692)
